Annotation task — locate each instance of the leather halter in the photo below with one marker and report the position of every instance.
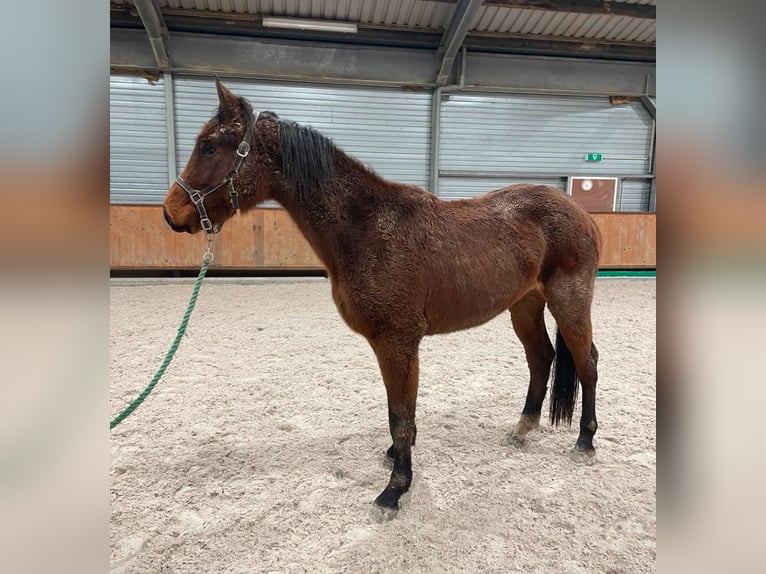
(198, 197)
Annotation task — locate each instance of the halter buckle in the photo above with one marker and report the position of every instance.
(196, 196)
(243, 149)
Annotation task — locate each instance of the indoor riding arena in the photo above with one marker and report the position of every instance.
(336, 291)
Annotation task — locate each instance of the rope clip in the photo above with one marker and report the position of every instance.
(207, 257)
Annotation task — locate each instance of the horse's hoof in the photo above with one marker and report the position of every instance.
(517, 436)
(514, 440)
(389, 498)
(583, 455)
(381, 514)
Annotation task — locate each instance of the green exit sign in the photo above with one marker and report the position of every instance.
(595, 157)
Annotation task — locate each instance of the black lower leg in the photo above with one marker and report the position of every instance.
(402, 432)
(391, 452)
(588, 422)
(535, 396)
(588, 427)
(528, 321)
(539, 371)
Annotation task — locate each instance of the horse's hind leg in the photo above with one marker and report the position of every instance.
(569, 299)
(527, 316)
(398, 360)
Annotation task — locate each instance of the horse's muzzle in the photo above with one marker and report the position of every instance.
(173, 226)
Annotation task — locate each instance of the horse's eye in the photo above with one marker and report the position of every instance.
(206, 148)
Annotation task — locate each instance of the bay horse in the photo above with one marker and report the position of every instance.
(404, 264)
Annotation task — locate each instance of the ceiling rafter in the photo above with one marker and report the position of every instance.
(462, 21)
(154, 23)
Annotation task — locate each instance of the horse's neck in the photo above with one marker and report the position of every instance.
(328, 217)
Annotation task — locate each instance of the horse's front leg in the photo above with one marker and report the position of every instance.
(391, 452)
(398, 360)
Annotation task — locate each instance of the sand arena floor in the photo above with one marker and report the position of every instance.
(262, 448)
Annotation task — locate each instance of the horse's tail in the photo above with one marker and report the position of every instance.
(564, 391)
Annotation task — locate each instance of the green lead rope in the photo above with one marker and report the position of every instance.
(206, 259)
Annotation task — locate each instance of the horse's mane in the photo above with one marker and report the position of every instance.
(307, 156)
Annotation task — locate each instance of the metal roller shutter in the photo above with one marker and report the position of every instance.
(384, 128)
(635, 195)
(138, 167)
(541, 139)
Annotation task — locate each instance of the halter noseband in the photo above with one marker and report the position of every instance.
(198, 197)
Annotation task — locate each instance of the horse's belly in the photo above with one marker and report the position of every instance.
(455, 306)
(447, 315)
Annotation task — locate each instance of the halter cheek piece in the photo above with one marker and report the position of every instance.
(198, 197)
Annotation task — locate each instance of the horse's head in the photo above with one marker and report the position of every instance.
(226, 170)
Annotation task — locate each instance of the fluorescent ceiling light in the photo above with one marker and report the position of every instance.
(300, 24)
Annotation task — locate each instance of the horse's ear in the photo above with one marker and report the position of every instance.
(229, 103)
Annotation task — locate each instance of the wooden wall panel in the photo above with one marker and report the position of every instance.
(139, 238)
(260, 239)
(268, 239)
(628, 240)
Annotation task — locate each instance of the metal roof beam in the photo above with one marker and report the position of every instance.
(151, 17)
(552, 46)
(494, 72)
(209, 54)
(462, 21)
(604, 7)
